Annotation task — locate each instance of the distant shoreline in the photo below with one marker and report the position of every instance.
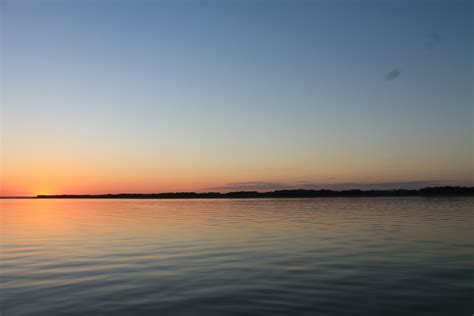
(299, 193)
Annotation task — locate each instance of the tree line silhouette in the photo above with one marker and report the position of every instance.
(299, 193)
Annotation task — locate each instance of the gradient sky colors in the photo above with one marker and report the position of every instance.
(152, 96)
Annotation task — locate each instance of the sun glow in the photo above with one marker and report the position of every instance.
(42, 192)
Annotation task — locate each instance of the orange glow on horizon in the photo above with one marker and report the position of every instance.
(62, 174)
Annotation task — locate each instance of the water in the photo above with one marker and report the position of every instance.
(334, 256)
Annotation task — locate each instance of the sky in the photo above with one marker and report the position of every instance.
(158, 96)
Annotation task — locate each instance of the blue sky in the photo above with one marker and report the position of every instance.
(183, 95)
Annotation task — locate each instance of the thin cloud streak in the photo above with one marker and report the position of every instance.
(363, 185)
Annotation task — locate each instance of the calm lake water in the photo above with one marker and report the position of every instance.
(327, 256)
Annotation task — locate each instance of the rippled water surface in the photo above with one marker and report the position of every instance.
(334, 256)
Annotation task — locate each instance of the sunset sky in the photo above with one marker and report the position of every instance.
(153, 96)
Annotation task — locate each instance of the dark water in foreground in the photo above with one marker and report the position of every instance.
(334, 256)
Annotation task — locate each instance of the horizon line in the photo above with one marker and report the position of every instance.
(271, 193)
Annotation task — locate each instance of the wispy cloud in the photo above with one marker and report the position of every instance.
(363, 185)
(250, 186)
(369, 185)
